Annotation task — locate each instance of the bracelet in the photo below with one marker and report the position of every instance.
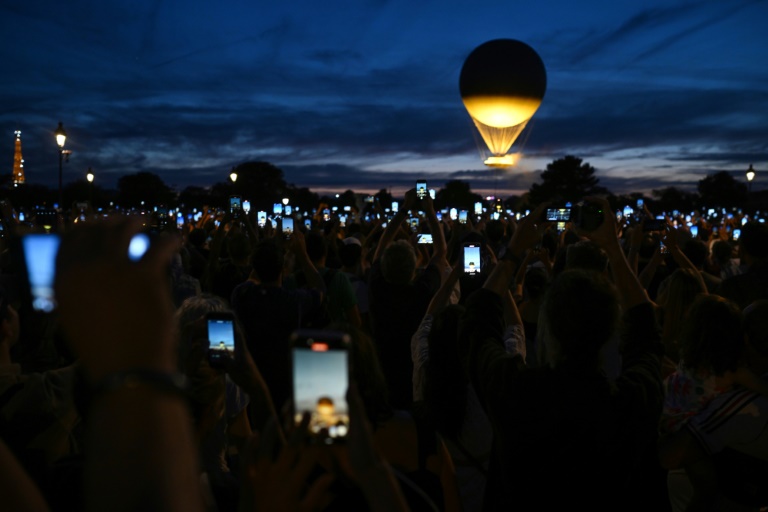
(168, 383)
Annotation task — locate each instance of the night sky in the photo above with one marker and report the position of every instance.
(364, 94)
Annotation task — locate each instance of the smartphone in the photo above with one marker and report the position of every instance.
(261, 218)
(287, 227)
(235, 206)
(478, 208)
(180, 221)
(221, 337)
(736, 234)
(558, 214)
(424, 238)
(663, 248)
(40, 263)
(640, 203)
(454, 213)
(463, 216)
(472, 259)
(694, 231)
(320, 382)
(395, 206)
(421, 190)
(308, 224)
(432, 193)
(277, 208)
(246, 206)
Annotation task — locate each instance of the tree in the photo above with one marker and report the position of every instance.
(566, 179)
(260, 182)
(456, 194)
(670, 198)
(722, 189)
(146, 187)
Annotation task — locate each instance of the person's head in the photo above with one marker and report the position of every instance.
(581, 310)
(317, 246)
(238, 246)
(535, 284)
(696, 251)
(206, 385)
(197, 237)
(712, 337)
(494, 231)
(586, 255)
(398, 263)
(755, 323)
(350, 252)
(679, 290)
(722, 251)
(753, 242)
(267, 261)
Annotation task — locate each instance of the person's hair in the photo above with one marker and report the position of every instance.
(238, 246)
(446, 381)
(267, 260)
(494, 231)
(366, 373)
(756, 326)
(696, 251)
(398, 263)
(204, 388)
(317, 245)
(197, 237)
(586, 255)
(535, 283)
(676, 294)
(722, 251)
(581, 309)
(350, 254)
(754, 240)
(712, 337)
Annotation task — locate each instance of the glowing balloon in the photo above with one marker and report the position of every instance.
(502, 83)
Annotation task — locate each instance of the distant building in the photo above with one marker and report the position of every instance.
(18, 162)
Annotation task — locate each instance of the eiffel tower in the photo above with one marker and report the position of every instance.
(18, 162)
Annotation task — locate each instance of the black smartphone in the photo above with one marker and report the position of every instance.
(472, 259)
(235, 206)
(558, 214)
(463, 216)
(320, 382)
(221, 337)
(424, 238)
(39, 251)
(421, 190)
(287, 226)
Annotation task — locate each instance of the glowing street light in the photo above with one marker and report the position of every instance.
(233, 175)
(90, 176)
(61, 138)
(286, 201)
(750, 177)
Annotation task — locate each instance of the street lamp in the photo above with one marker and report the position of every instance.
(61, 138)
(286, 201)
(90, 177)
(750, 177)
(233, 175)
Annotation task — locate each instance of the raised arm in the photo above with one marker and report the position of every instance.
(393, 226)
(118, 317)
(630, 290)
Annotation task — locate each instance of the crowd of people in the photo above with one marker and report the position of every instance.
(619, 365)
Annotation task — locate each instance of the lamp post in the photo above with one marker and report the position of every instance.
(233, 175)
(90, 177)
(750, 177)
(61, 138)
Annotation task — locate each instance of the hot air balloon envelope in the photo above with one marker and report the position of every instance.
(502, 83)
